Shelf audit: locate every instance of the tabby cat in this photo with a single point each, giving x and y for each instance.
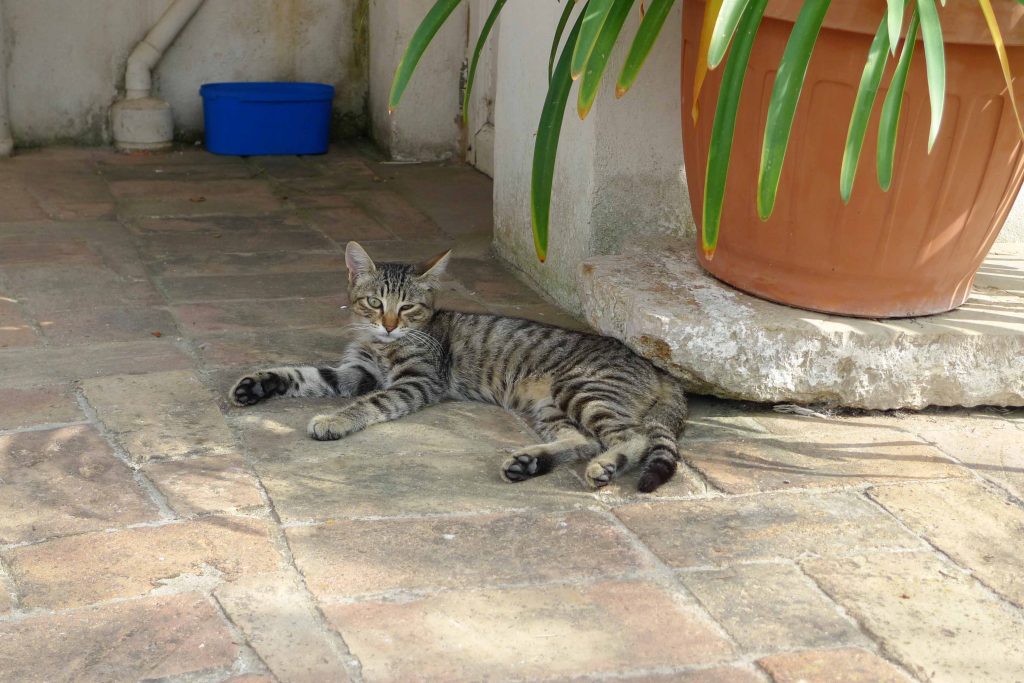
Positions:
(589, 396)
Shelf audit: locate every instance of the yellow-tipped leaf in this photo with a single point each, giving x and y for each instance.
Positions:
(546, 145)
(725, 26)
(1004, 62)
(594, 70)
(562, 21)
(648, 32)
(594, 16)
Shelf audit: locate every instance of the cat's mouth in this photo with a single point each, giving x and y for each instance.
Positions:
(388, 337)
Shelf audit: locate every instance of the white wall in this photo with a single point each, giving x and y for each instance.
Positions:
(426, 125)
(67, 58)
(618, 173)
(480, 121)
(1013, 228)
(6, 142)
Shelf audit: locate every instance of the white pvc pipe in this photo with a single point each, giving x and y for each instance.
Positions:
(6, 141)
(138, 78)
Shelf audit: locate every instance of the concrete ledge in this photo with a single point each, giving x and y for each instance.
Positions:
(657, 299)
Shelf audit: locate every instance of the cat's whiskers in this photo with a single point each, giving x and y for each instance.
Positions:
(431, 343)
(362, 326)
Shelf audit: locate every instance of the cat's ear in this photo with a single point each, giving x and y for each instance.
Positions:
(432, 269)
(358, 262)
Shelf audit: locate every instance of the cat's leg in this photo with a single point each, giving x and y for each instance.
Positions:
(566, 444)
(628, 439)
(630, 445)
(400, 399)
(302, 380)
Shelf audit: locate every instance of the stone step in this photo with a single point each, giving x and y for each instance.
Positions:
(657, 299)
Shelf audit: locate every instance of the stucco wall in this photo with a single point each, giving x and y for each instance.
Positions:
(619, 173)
(480, 120)
(67, 58)
(426, 125)
(1013, 229)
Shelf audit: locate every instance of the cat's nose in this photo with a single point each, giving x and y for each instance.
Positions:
(389, 325)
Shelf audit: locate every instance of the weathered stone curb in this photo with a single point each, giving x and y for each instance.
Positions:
(657, 299)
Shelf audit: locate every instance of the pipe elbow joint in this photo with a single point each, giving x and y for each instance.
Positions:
(138, 79)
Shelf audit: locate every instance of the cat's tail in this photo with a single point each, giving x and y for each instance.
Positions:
(664, 420)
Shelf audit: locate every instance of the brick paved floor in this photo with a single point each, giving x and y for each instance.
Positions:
(150, 531)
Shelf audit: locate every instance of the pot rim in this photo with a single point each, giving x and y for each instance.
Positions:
(962, 22)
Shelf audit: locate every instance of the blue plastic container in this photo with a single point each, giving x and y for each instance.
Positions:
(248, 119)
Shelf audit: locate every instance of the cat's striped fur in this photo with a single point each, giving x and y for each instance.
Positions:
(589, 396)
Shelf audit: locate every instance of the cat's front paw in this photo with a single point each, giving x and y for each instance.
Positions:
(523, 465)
(599, 474)
(330, 427)
(257, 387)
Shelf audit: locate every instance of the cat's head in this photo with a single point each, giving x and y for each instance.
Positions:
(392, 299)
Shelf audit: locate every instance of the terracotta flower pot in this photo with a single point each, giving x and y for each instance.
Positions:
(913, 250)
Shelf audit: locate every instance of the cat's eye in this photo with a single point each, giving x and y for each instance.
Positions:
(406, 307)
(374, 302)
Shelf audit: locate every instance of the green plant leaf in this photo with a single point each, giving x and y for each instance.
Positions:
(594, 70)
(1004, 62)
(648, 32)
(935, 60)
(570, 5)
(789, 83)
(724, 126)
(862, 106)
(890, 118)
(594, 16)
(425, 32)
(485, 31)
(895, 20)
(728, 20)
(546, 146)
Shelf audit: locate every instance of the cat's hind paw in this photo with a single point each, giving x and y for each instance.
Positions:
(329, 427)
(252, 389)
(600, 474)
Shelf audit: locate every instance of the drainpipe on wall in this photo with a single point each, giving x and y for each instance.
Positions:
(6, 141)
(140, 121)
